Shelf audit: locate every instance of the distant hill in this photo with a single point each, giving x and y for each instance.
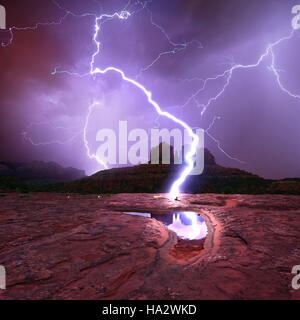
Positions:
(159, 177)
(153, 178)
(29, 174)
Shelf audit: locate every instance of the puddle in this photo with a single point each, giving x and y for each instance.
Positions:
(142, 214)
(186, 224)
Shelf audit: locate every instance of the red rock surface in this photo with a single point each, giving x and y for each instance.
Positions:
(56, 246)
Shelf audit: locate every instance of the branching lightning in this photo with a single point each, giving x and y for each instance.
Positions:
(177, 47)
(48, 24)
(227, 76)
(86, 143)
(228, 73)
(175, 189)
(74, 134)
(219, 143)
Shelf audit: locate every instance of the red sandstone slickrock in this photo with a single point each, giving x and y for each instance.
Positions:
(55, 246)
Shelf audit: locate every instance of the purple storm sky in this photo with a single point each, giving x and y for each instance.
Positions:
(258, 122)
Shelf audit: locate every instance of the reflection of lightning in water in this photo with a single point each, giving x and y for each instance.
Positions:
(195, 230)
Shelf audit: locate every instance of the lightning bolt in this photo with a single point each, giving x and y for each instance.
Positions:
(277, 76)
(47, 143)
(177, 47)
(228, 73)
(26, 136)
(227, 76)
(175, 189)
(218, 141)
(86, 143)
(41, 24)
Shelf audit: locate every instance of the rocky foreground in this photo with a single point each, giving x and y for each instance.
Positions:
(57, 246)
